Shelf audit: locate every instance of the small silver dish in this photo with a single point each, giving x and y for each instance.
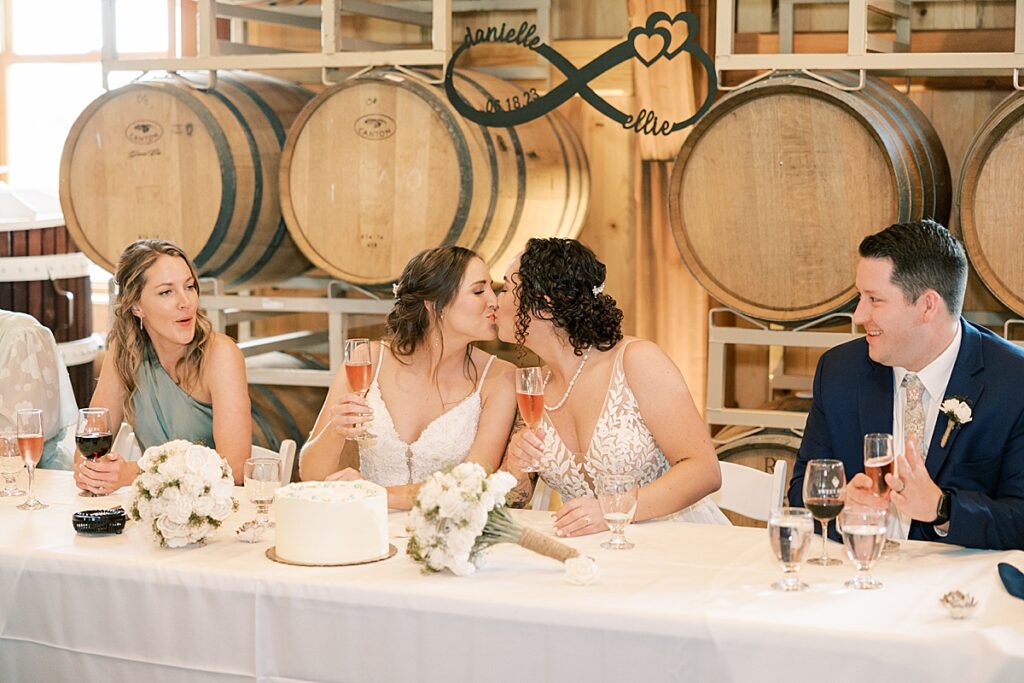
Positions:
(959, 604)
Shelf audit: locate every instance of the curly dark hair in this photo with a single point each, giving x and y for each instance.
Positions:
(432, 275)
(556, 281)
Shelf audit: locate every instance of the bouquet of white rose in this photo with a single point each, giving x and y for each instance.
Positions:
(182, 494)
(460, 514)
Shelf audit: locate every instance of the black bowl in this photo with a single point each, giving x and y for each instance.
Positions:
(108, 521)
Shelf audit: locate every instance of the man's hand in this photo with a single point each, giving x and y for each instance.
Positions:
(913, 491)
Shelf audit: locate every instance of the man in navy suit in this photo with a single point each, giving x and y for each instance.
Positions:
(966, 486)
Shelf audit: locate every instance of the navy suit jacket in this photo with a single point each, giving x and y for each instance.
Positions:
(983, 460)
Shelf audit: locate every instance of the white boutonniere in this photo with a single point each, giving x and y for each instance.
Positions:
(958, 413)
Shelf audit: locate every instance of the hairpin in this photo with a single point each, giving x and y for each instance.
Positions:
(598, 289)
(394, 289)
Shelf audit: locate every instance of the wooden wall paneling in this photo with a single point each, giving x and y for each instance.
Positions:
(588, 19)
(611, 222)
(671, 308)
(957, 115)
(665, 87)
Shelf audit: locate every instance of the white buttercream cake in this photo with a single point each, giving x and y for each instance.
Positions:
(331, 522)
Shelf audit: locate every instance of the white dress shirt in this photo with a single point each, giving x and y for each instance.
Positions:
(935, 377)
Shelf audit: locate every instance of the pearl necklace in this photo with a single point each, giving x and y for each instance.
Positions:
(568, 389)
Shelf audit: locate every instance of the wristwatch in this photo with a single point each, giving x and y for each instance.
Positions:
(943, 509)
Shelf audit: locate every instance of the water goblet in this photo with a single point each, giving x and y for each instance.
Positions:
(617, 494)
(824, 494)
(790, 531)
(30, 443)
(359, 372)
(863, 531)
(10, 464)
(93, 436)
(530, 397)
(262, 478)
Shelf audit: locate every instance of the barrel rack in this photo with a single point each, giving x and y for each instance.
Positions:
(336, 51)
(865, 52)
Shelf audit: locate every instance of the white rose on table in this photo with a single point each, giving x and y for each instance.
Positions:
(175, 535)
(222, 507)
(204, 506)
(177, 507)
(581, 570)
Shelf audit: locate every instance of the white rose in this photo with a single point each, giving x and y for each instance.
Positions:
(581, 570)
(170, 528)
(500, 483)
(222, 488)
(195, 459)
(222, 507)
(178, 508)
(192, 485)
(450, 502)
(462, 567)
(962, 412)
(203, 505)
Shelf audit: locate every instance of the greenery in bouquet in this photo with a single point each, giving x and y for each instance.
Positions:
(461, 513)
(182, 494)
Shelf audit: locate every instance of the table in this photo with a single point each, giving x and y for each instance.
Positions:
(690, 602)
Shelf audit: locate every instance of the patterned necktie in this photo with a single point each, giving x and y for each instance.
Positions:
(913, 411)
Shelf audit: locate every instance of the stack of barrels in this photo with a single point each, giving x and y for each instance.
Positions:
(366, 174)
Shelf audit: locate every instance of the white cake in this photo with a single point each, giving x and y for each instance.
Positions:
(331, 522)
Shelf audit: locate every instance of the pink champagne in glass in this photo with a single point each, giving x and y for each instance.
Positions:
(530, 397)
(30, 443)
(359, 372)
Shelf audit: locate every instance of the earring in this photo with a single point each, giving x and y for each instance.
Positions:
(140, 323)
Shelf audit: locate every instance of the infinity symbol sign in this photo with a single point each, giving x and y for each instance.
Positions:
(663, 37)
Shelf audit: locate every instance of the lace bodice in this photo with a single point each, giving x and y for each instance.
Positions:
(445, 442)
(621, 443)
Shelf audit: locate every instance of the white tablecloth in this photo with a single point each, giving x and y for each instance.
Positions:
(688, 603)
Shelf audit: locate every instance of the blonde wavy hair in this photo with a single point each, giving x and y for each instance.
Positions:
(127, 337)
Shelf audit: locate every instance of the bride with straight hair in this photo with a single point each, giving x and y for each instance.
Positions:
(612, 404)
(435, 400)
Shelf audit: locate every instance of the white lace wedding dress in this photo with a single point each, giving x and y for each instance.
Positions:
(445, 442)
(621, 443)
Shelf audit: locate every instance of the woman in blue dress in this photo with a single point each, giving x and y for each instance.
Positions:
(166, 372)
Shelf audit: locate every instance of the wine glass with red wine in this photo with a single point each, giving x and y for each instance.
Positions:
(93, 436)
(359, 372)
(30, 443)
(530, 397)
(824, 496)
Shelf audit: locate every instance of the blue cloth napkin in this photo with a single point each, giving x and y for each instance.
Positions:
(1013, 579)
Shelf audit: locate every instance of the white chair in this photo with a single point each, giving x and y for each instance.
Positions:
(126, 444)
(286, 453)
(749, 492)
(541, 496)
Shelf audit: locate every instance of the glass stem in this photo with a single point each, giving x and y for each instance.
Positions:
(31, 476)
(262, 516)
(824, 542)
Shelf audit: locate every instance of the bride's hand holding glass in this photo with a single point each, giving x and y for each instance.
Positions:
(351, 416)
(525, 450)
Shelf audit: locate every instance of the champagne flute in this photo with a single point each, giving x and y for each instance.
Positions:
(262, 478)
(359, 371)
(30, 443)
(10, 464)
(530, 397)
(93, 436)
(790, 531)
(863, 531)
(824, 493)
(617, 494)
(880, 460)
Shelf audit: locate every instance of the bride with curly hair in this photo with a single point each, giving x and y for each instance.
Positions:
(613, 404)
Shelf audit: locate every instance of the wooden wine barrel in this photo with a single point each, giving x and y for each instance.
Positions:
(990, 202)
(199, 168)
(776, 186)
(381, 167)
(43, 274)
